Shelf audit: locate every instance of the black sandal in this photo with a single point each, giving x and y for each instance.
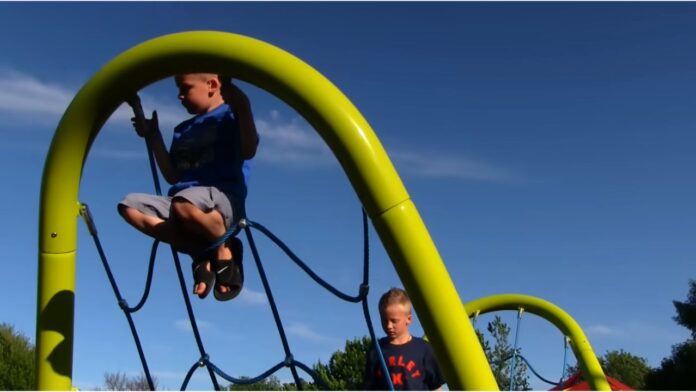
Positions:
(229, 273)
(202, 275)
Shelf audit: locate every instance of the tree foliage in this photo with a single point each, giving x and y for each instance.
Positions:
(346, 369)
(676, 371)
(686, 311)
(17, 369)
(271, 383)
(500, 355)
(623, 366)
(121, 382)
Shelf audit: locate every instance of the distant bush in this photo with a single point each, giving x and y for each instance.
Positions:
(17, 368)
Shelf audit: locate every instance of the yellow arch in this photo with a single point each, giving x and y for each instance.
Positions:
(339, 123)
(578, 342)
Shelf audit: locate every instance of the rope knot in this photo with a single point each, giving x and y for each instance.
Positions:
(289, 360)
(204, 359)
(123, 304)
(364, 289)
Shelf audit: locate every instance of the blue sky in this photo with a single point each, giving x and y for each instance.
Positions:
(548, 147)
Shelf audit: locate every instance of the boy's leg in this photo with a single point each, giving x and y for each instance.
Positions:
(208, 226)
(150, 215)
(201, 215)
(200, 224)
(206, 213)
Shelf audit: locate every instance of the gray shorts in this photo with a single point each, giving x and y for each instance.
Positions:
(206, 198)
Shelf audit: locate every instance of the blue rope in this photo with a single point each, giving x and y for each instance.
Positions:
(274, 308)
(122, 303)
(565, 358)
(233, 231)
(556, 384)
(135, 104)
(514, 349)
(153, 167)
(304, 266)
(364, 288)
(362, 294)
(529, 366)
(192, 319)
(148, 280)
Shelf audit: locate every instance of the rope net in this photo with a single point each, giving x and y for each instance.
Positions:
(246, 225)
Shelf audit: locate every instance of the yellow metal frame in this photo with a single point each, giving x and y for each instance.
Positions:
(339, 123)
(591, 369)
(335, 118)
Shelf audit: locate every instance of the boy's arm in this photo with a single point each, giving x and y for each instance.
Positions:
(149, 129)
(433, 369)
(241, 107)
(368, 382)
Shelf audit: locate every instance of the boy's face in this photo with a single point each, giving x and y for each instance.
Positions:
(395, 321)
(196, 92)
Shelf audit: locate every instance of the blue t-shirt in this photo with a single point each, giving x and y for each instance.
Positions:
(205, 150)
(412, 367)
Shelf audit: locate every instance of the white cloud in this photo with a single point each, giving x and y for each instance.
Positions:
(291, 143)
(251, 297)
(632, 330)
(603, 330)
(185, 325)
(305, 332)
(294, 143)
(439, 165)
(111, 153)
(21, 92)
(286, 142)
(31, 100)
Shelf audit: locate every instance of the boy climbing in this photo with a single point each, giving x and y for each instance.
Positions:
(207, 166)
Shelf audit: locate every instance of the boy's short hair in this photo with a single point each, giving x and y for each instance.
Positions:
(394, 296)
(225, 79)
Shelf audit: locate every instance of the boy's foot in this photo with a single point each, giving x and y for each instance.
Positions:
(203, 277)
(229, 273)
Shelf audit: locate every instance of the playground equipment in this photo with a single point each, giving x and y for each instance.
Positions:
(360, 153)
(589, 364)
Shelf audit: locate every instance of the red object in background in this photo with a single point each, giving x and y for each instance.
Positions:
(574, 383)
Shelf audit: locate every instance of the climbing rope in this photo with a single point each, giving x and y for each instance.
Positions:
(515, 354)
(529, 365)
(566, 341)
(245, 225)
(514, 348)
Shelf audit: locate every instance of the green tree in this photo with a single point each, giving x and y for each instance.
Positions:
(676, 371)
(686, 311)
(623, 366)
(346, 368)
(121, 382)
(500, 356)
(271, 383)
(16, 360)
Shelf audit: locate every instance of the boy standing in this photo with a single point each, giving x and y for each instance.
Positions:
(410, 360)
(207, 167)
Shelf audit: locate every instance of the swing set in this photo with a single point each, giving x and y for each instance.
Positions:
(444, 317)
